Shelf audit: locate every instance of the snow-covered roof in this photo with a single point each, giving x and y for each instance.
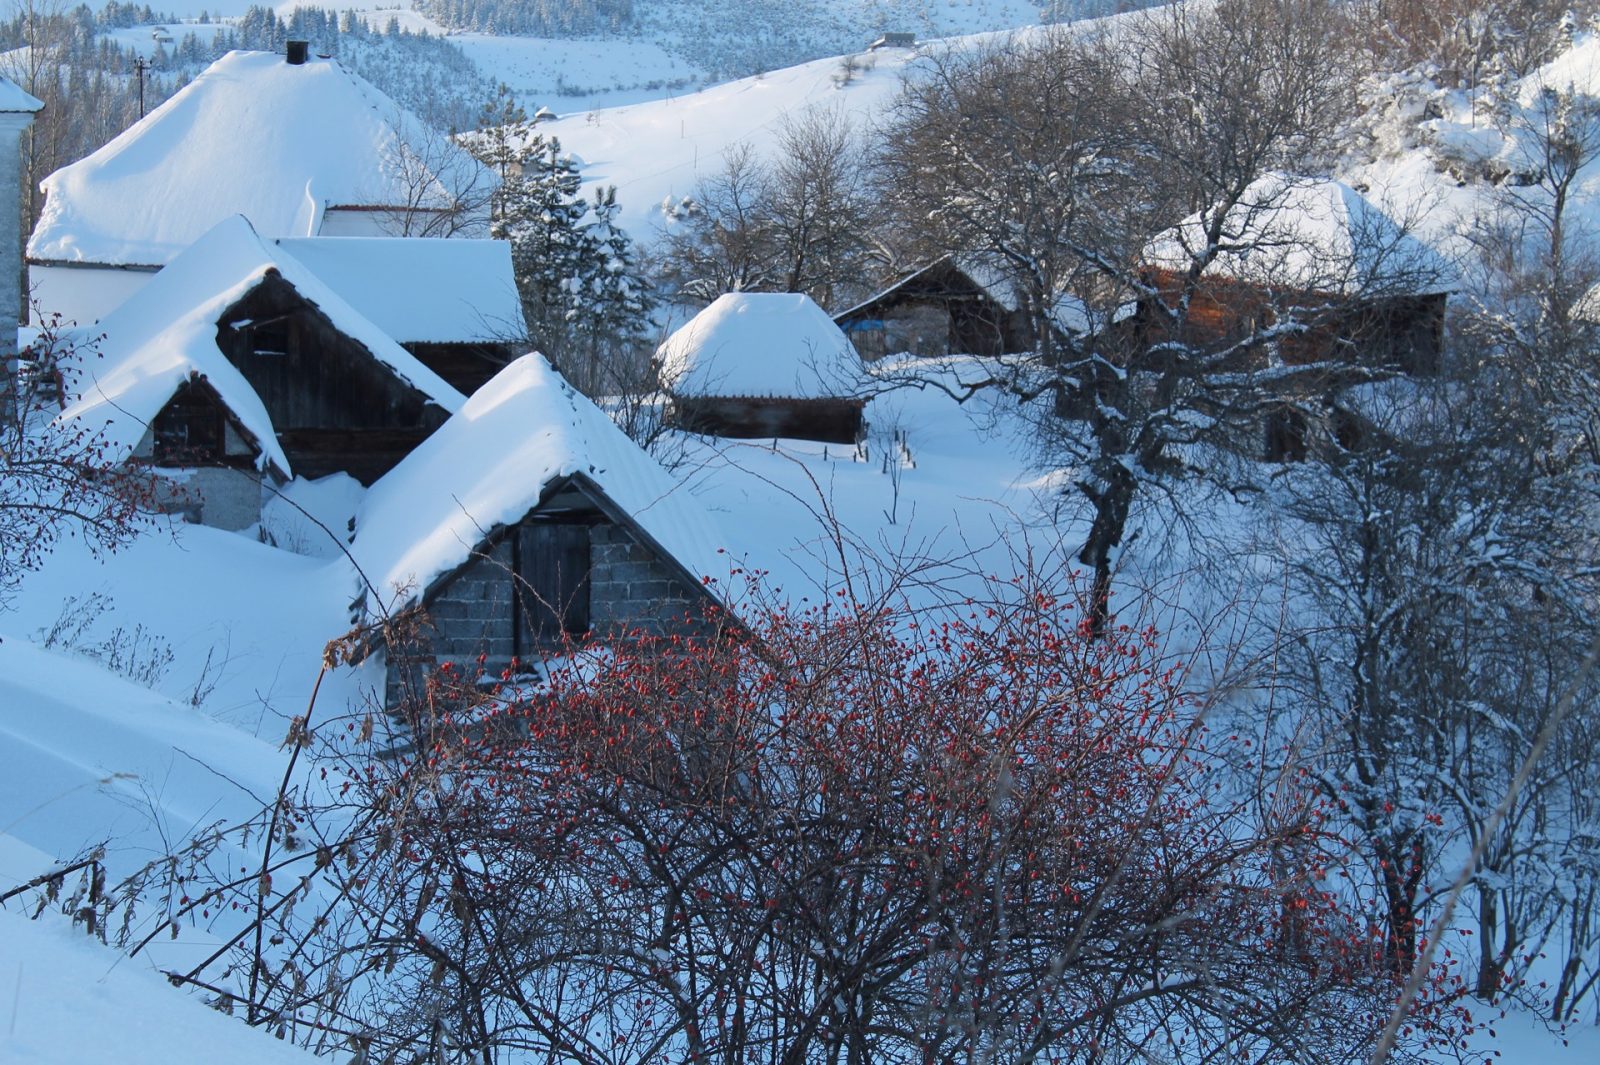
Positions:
(1314, 234)
(420, 289)
(761, 344)
(167, 331)
(491, 464)
(13, 98)
(252, 135)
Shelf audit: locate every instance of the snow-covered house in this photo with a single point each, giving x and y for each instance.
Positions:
(451, 303)
(1313, 248)
(943, 308)
(527, 520)
(763, 364)
(301, 149)
(337, 393)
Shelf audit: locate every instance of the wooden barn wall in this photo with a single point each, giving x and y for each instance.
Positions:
(1405, 332)
(465, 367)
(833, 421)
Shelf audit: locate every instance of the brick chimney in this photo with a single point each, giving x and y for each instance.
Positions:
(295, 52)
(17, 109)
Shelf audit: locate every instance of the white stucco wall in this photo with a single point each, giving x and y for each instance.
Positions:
(82, 295)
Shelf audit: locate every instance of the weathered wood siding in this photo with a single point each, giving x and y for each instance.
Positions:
(1405, 332)
(937, 311)
(333, 404)
(834, 421)
(465, 367)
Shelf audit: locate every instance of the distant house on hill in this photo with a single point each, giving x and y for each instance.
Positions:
(1310, 251)
(1318, 250)
(893, 40)
(941, 309)
(763, 364)
(453, 304)
(528, 521)
(301, 149)
(336, 393)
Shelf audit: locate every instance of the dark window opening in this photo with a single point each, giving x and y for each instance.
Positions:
(270, 337)
(190, 430)
(552, 582)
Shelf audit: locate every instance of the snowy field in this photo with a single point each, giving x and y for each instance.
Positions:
(580, 74)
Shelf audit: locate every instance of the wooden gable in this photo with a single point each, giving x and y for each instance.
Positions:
(938, 310)
(334, 405)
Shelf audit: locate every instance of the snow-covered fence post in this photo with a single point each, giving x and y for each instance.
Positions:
(17, 109)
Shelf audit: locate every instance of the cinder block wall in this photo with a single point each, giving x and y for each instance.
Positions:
(630, 589)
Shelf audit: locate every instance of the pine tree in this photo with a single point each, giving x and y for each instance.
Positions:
(576, 270)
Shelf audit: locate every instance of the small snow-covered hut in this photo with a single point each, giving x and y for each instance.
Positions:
(153, 389)
(528, 520)
(1369, 291)
(764, 364)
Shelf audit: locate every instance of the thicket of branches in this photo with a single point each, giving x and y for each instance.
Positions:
(848, 833)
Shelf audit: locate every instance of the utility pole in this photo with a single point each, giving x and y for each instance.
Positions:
(140, 65)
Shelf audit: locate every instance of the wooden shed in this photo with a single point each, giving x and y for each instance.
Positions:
(940, 309)
(1312, 251)
(337, 393)
(165, 399)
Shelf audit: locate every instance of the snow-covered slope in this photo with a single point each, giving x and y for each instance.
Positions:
(69, 1001)
(661, 150)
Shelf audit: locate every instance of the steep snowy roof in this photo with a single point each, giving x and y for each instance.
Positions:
(14, 98)
(167, 331)
(254, 135)
(1308, 233)
(768, 344)
(420, 289)
(489, 465)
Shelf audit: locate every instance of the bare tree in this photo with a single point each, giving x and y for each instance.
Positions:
(1058, 158)
(823, 836)
(717, 240)
(435, 187)
(802, 221)
(55, 479)
(822, 208)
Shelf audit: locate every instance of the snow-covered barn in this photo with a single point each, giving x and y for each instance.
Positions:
(528, 520)
(301, 149)
(1370, 291)
(319, 386)
(764, 364)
